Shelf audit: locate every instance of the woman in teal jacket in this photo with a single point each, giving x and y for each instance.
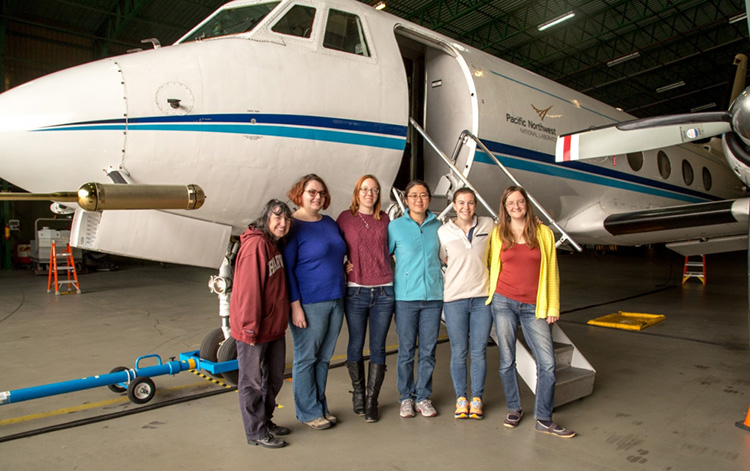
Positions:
(418, 288)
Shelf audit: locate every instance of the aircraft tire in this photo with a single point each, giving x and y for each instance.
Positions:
(141, 390)
(117, 388)
(210, 345)
(227, 352)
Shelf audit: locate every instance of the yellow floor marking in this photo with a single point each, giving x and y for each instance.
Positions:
(93, 405)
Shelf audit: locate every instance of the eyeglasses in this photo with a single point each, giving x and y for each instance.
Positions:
(519, 203)
(413, 196)
(365, 191)
(314, 193)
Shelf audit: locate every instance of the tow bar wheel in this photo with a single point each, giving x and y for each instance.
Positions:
(141, 390)
(118, 387)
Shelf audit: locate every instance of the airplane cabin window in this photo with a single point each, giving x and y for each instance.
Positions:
(297, 22)
(635, 160)
(687, 172)
(232, 21)
(344, 32)
(707, 182)
(665, 167)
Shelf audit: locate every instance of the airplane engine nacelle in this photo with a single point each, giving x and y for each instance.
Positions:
(736, 144)
(737, 154)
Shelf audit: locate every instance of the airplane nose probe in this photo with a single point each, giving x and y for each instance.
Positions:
(101, 196)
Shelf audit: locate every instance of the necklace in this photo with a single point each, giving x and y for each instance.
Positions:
(367, 226)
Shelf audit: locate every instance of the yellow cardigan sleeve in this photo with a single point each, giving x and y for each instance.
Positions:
(548, 294)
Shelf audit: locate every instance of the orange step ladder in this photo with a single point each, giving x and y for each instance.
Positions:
(694, 268)
(69, 267)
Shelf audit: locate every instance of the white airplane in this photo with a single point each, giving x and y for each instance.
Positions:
(261, 93)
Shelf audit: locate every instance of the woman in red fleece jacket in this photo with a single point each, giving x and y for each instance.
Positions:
(258, 316)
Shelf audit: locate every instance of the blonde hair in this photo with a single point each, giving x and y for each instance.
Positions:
(529, 230)
(355, 197)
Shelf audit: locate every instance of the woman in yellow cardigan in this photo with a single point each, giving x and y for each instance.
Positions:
(525, 289)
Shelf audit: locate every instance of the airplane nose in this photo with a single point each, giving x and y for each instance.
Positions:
(51, 128)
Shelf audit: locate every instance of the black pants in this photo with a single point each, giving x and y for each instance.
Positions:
(261, 374)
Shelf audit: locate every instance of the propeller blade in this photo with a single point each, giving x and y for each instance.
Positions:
(641, 134)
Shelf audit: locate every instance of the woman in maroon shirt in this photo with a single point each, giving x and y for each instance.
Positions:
(258, 316)
(369, 292)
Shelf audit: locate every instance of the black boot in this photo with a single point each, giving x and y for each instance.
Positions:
(357, 374)
(374, 381)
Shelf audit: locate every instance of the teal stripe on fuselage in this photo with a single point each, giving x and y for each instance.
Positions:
(570, 174)
(359, 139)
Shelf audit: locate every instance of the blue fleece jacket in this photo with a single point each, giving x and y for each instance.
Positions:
(417, 276)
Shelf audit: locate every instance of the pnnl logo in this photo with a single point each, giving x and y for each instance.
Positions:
(541, 113)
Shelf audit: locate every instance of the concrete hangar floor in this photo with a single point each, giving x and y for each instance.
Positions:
(665, 398)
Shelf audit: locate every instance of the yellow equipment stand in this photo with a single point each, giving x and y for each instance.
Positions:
(69, 267)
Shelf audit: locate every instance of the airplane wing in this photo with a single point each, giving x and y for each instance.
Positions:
(701, 228)
(641, 134)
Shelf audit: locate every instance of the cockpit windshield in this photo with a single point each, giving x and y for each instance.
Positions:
(231, 21)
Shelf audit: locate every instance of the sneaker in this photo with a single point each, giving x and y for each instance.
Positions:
(332, 419)
(269, 441)
(513, 419)
(554, 429)
(462, 408)
(426, 408)
(318, 424)
(476, 408)
(277, 430)
(407, 408)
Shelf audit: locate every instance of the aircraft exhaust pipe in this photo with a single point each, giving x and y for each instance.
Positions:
(101, 196)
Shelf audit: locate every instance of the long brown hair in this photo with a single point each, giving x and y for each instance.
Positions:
(529, 230)
(295, 192)
(355, 197)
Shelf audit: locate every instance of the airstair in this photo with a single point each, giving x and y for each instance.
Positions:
(574, 374)
(68, 267)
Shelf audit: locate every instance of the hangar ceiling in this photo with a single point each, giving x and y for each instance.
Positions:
(687, 43)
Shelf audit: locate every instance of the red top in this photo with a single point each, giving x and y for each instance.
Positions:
(519, 273)
(259, 310)
(367, 247)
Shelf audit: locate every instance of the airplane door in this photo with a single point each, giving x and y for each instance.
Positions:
(442, 100)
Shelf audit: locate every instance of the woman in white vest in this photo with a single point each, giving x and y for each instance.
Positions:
(464, 243)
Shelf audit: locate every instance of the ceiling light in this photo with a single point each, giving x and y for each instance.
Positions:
(622, 59)
(737, 18)
(555, 21)
(380, 6)
(671, 86)
(702, 107)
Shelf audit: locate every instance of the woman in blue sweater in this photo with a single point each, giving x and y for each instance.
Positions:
(314, 258)
(418, 288)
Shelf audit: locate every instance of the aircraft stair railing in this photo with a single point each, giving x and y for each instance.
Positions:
(564, 237)
(574, 374)
(454, 169)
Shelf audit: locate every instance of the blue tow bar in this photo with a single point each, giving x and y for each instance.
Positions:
(135, 381)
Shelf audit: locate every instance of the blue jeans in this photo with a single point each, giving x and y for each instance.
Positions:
(416, 319)
(377, 305)
(313, 349)
(469, 322)
(508, 313)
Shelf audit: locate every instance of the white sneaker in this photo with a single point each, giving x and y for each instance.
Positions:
(407, 408)
(426, 408)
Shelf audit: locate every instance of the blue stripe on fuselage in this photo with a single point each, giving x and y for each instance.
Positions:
(386, 136)
(345, 131)
(541, 163)
(341, 124)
